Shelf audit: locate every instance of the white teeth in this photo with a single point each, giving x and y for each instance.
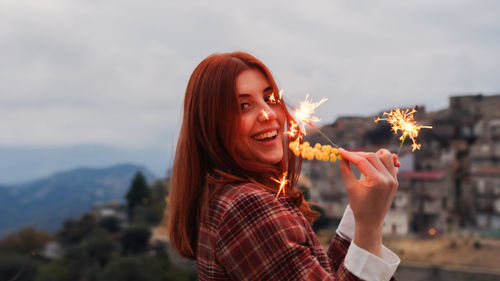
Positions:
(266, 135)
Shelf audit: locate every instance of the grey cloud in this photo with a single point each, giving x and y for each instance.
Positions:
(98, 70)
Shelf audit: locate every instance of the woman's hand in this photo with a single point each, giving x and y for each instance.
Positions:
(370, 197)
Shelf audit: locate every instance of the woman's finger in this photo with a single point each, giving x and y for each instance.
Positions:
(396, 160)
(375, 160)
(361, 162)
(387, 159)
(347, 174)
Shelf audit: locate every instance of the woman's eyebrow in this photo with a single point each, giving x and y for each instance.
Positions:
(243, 95)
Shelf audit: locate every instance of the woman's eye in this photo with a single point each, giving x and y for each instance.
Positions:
(244, 105)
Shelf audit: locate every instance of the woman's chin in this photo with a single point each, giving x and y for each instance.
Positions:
(271, 158)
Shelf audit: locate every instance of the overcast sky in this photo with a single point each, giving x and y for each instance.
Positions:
(114, 71)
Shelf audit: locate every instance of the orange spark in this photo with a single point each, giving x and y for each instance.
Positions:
(283, 181)
(273, 99)
(303, 114)
(265, 114)
(404, 121)
(294, 129)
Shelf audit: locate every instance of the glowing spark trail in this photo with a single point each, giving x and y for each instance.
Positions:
(294, 129)
(265, 114)
(404, 121)
(273, 99)
(283, 182)
(303, 114)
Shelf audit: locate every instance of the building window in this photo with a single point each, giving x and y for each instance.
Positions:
(496, 189)
(485, 148)
(480, 186)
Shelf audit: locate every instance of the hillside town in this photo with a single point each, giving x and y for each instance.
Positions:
(452, 183)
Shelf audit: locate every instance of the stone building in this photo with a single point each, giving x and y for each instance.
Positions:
(485, 172)
(453, 181)
(430, 200)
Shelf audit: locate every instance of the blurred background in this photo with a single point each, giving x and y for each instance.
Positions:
(90, 107)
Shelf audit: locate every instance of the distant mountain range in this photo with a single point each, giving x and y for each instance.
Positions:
(24, 164)
(47, 202)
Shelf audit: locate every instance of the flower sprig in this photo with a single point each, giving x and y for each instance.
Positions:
(319, 152)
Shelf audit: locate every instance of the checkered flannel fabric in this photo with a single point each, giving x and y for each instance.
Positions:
(246, 235)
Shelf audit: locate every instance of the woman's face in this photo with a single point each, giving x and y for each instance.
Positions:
(261, 124)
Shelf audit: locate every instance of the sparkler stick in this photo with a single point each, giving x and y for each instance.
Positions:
(326, 137)
(404, 121)
(401, 145)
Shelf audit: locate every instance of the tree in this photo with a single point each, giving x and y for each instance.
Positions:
(135, 239)
(99, 247)
(89, 255)
(52, 271)
(25, 242)
(158, 191)
(74, 231)
(17, 267)
(138, 193)
(110, 224)
(142, 268)
(133, 268)
(147, 215)
(152, 213)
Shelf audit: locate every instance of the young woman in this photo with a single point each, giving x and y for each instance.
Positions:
(223, 211)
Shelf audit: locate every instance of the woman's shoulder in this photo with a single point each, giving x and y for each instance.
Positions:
(233, 194)
(248, 208)
(237, 199)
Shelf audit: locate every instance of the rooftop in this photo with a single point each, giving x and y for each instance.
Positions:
(422, 175)
(490, 170)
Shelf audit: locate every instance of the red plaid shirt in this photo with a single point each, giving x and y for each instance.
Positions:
(247, 236)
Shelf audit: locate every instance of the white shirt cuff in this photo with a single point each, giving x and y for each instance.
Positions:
(346, 226)
(370, 267)
(362, 263)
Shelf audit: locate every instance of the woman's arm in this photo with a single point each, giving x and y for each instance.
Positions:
(358, 261)
(371, 197)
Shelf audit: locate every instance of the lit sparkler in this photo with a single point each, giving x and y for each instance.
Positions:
(283, 182)
(404, 121)
(303, 114)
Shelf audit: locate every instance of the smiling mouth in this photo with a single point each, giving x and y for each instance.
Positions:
(268, 136)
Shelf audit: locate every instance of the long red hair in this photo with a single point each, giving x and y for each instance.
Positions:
(206, 157)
